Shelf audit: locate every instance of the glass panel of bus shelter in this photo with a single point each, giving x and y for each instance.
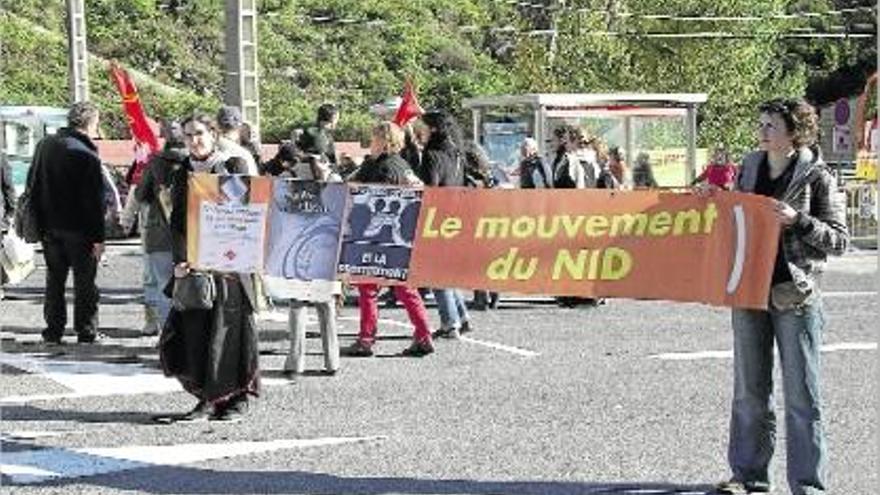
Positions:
(19, 144)
(502, 135)
(661, 142)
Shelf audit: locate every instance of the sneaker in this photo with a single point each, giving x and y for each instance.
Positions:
(51, 338)
(357, 349)
(151, 329)
(231, 412)
(466, 327)
(447, 333)
(199, 413)
(89, 337)
(494, 300)
(419, 349)
(734, 487)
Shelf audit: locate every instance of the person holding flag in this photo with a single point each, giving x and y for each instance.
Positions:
(146, 145)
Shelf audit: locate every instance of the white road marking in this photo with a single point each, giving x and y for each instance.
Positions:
(695, 356)
(384, 321)
(31, 435)
(36, 466)
(485, 343)
(867, 293)
(501, 347)
(91, 379)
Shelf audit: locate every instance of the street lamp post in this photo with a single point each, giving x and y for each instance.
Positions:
(77, 52)
(242, 88)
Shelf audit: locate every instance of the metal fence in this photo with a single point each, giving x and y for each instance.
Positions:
(861, 212)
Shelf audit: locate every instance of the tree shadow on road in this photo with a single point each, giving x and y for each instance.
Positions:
(26, 412)
(178, 480)
(193, 481)
(109, 295)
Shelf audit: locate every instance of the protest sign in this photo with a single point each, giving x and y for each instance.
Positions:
(305, 227)
(597, 243)
(379, 232)
(226, 222)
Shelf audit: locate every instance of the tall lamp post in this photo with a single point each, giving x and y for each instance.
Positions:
(242, 88)
(77, 51)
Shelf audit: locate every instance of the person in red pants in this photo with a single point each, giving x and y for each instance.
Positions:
(368, 301)
(385, 166)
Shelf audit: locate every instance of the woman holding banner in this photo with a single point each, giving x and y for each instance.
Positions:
(385, 166)
(443, 165)
(813, 226)
(213, 352)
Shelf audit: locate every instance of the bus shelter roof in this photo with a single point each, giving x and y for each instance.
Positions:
(586, 101)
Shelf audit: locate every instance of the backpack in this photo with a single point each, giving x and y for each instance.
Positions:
(27, 218)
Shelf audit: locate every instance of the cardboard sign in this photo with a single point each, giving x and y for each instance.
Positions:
(226, 222)
(305, 229)
(379, 234)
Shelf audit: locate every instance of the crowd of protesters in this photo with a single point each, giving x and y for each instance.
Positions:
(212, 350)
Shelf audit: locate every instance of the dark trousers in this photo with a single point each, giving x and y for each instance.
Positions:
(63, 251)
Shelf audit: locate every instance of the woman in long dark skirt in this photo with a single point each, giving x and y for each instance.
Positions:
(212, 352)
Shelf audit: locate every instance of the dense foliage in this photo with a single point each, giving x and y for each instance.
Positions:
(358, 52)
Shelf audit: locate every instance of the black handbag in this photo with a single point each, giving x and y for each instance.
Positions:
(27, 220)
(196, 290)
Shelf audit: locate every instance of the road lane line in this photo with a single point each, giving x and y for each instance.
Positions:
(501, 347)
(92, 379)
(384, 321)
(866, 293)
(39, 465)
(485, 343)
(698, 355)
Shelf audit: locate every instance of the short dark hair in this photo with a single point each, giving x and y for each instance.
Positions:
(229, 117)
(326, 112)
(443, 126)
(81, 114)
(573, 133)
(172, 132)
(201, 117)
(799, 117)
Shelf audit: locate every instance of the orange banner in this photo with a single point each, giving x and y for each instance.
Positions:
(644, 245)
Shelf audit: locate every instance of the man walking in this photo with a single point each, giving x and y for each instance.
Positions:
(68, 193)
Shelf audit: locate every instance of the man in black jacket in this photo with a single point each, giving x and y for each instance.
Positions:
(69, 195)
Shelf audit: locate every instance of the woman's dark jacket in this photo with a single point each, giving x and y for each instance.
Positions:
(442, 164)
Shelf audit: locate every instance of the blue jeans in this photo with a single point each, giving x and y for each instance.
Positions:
(798, 335)
(450, 305)
(159, 268)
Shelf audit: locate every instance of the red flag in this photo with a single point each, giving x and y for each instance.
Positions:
(409, 108)
(145, 140)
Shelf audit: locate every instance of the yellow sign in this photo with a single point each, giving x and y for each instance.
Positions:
(866, 165)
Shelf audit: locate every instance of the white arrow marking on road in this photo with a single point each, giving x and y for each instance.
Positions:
(36, 466)
(92, 379)
(694, 356)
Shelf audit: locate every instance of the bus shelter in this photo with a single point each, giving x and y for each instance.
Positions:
(21, 127)
(662, 126)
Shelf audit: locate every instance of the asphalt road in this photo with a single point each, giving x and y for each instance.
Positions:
(631, 398)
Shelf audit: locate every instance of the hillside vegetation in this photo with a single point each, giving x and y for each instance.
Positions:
(358, 52)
